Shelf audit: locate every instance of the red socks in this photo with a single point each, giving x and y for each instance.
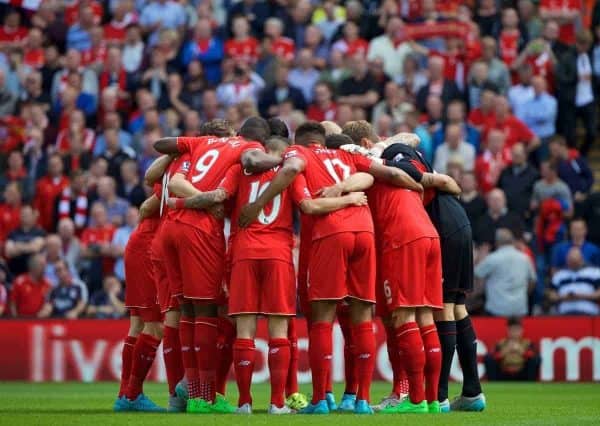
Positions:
(205, 348)
(172, 357)
(291, 385)
(412, 356)
(188, 356)
(319, 353)
(279, 362)
(144, 353)
(243, 363)
(224, 353)
(350, 373)
(400, 382)
(126, 360)
(364, 348)
(433, 361)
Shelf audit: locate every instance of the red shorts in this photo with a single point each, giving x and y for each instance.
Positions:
(411, 276)
(262, 286)
(342, 265)
(140, 291)
(303, 258)
(151, 314)
(195, 261)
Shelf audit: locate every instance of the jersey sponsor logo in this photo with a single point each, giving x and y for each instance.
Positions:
(244, 363)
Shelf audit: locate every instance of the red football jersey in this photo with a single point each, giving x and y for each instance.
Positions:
(509, 46)
(179, 165)
(325, 167)
(270, 236)
(11, 36)
(29, 295)
(284, 48)
(211, 157)
(514, 129)
(245, 50)
(567, 30)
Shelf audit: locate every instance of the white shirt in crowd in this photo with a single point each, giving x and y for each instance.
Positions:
(584, 94)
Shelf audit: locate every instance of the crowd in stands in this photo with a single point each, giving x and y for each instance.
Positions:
(503, 94)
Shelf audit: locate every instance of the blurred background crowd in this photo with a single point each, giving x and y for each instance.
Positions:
(503, 94)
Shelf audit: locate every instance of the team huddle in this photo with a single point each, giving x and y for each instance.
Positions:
(380, 234)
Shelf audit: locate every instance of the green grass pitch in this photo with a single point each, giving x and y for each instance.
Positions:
(90, 404)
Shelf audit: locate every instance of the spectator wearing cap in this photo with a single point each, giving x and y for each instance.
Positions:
(514, 357)
(497, 216)
(304, 75)
(454, 148)
(572, 169)
(578, 239)
(507, 277)
(576, 286)
(108, 302)
(517, 181)
(438, 85)
(206, 48)
(281, 91)
(30, 290)
(388, 48)
(576, 93)
(67, 299)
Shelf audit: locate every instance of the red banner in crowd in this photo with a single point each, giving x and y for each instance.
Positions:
(425, 30)
(89, 350)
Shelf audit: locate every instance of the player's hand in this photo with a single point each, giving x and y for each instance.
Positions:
(330, 191)
(217, 210)
(358, 198)
(355, 149)
(249, 214)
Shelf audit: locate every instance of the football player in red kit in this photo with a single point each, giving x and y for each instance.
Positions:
(342, 263)
(200, 245)
(262, 276)
(145, 331)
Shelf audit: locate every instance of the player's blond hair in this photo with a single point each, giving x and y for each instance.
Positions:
(217, 127)
(359, 130)
(405, 138)
(331, 128)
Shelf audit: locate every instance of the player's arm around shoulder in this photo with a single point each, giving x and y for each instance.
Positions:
(442, 182)
(394, 176)
(257, 161)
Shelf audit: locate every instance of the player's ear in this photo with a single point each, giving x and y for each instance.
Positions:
(366, 143)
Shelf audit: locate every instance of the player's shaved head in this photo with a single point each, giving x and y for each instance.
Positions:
(361, 133)
(277, 144)
(310, 132)
(278, 127)
(255, 129)
(217, 127)
(335, 141)
(331, 128)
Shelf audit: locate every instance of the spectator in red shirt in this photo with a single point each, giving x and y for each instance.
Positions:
(242, 46)
(515, 131)
(34, 50)
(511, 40)
(12, 34)
(10, 211)
(30, 290)
(566, 12)
(95, 56)
(95, 245)
(481, 117)
(122, 17)
(351, 43)
(323, 108)
(114, 75)
(77, 130)
(47, 189)
(73, 8)
(491, 161)
(282, 47)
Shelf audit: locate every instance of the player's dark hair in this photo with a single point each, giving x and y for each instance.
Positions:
(217, 127)
(514, 321)
(359, 130)
(336, 140)
(278, 127)
(277, 143)
(311, 131)
(255, 129)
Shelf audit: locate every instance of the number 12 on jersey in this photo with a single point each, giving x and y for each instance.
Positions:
(256, 189)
